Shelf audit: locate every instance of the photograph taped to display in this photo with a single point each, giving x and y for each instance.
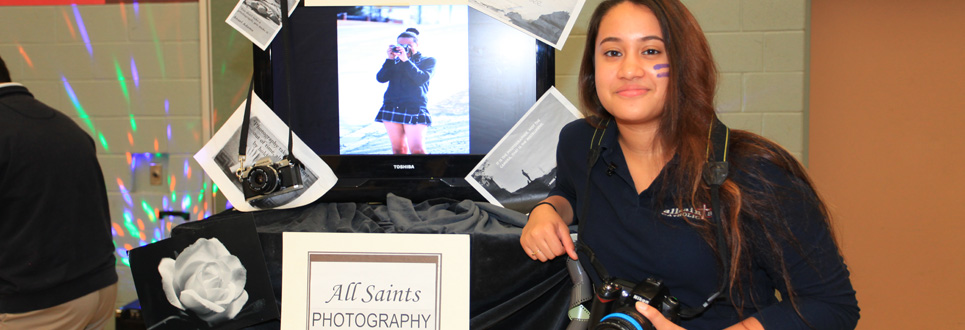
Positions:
(521, 168)
(259, 20)
(416, 103)
(213, 278)
(549, 21)
(266, 145)
(261, 143)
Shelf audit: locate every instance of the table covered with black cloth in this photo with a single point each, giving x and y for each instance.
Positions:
(507, 289)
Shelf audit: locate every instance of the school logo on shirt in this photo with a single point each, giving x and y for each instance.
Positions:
(688, 212)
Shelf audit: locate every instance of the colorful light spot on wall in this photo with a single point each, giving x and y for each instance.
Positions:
(83, 30)
(130, 225)
(76, 103)
(100, 136)
(122, 82)
(134, 75)
(125, 193)
(151, 214)
(103, 140)
(70, 25)
(26, 57)
(157, 45)
(186, 202)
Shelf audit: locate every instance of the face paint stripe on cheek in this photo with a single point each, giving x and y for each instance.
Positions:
(659, 67)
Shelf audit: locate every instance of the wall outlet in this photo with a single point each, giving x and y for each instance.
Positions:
(157, 173)
(148, 172)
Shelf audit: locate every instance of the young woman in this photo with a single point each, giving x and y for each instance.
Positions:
(404, 111)
(647, 84)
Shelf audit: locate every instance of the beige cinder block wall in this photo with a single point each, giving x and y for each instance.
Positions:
(760, 49)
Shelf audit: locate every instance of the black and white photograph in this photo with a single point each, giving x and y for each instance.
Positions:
(268, 9)
(215, 278)
(549, 21)
(268, 180)
(258, 20)
(521, 169)
(263, 146)
(413, 63)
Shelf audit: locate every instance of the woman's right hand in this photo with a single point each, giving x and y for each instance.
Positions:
(390, 52)
(546, 235)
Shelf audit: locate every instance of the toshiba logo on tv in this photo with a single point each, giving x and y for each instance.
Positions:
(404, 167)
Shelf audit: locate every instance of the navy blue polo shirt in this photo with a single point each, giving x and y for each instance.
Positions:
(636, 236)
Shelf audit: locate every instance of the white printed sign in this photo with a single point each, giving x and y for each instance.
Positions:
(375, 281)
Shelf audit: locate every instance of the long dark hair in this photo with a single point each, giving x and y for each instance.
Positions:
(753, 225)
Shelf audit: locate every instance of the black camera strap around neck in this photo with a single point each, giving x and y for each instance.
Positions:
(286, 43)
(714, 174)
(591, 159)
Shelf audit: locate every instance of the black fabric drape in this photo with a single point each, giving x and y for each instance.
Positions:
(507, 289)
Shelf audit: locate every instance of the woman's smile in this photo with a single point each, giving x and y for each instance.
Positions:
(633, 91)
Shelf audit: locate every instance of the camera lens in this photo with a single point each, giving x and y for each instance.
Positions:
(624, 320)
(262, 179)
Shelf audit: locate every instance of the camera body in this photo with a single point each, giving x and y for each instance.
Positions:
(614, 307)
(265, 178)
(399, 49)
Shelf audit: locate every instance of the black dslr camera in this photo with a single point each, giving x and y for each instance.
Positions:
(264, 178)
(614, 308)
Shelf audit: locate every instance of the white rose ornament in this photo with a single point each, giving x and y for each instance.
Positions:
(205, 279)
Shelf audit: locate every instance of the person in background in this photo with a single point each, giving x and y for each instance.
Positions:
(56, 251)
(647, 84)
(404, 111)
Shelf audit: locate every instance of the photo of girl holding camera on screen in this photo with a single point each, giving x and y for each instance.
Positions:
(404, 109)
(631, 176)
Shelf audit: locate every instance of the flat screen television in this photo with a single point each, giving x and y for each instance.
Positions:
(487, 75)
